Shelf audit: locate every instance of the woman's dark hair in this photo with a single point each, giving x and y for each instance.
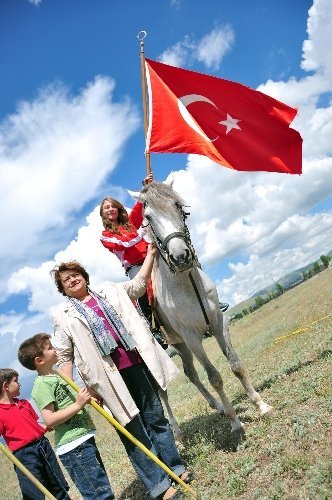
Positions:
(123, 219)
(68, 266)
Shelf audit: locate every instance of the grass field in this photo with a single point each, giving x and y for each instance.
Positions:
(286, 456)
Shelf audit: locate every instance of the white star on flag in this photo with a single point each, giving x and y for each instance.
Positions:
(230, 123)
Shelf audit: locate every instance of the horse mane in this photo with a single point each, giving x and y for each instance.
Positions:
(161, 197)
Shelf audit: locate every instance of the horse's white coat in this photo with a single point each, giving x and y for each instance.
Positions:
(177, 306)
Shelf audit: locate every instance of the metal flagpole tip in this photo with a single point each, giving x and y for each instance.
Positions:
(141, 35)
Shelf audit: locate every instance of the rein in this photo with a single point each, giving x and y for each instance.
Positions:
(199, 299)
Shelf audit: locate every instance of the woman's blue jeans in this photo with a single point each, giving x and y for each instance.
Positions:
(152, 429)
(85, 467)
(39, 458)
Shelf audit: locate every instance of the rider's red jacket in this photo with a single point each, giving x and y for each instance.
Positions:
(128, 246)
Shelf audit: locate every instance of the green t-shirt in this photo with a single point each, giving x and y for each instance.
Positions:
(53, 389)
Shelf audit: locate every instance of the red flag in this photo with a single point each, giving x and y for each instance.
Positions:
(230, 123)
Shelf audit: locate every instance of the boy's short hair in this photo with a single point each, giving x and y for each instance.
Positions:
(31, 348)
(6, 375)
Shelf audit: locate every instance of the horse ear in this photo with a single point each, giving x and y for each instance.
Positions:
(170, 180)
(134, 194)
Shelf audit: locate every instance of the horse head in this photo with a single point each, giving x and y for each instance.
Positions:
(164, 218)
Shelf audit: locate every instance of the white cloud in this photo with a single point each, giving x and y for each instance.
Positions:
(178, 54)
(35, 2)
(38, 284)
(210, 50)
(214, 46)
(307, 238)
(251, 213)
(85, 248)
(176, 4)
(11, 322)
(264, 220)
(316, 49)
(22, 324)
(264, 223)
(255, 221)
(55, 153)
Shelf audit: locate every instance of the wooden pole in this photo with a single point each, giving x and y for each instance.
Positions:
(25, 471)
(141, 36)
(131, 438)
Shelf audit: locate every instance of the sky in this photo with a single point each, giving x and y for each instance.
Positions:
(71, 133)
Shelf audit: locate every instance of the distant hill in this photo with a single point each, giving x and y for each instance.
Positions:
(287, 281)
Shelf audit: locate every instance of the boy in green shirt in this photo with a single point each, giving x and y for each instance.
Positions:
(65, 410)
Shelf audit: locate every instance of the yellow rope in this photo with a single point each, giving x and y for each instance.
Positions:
(300, 330)
(124, 431)
(25, 471)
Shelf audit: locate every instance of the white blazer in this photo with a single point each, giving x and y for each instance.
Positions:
(74, 343)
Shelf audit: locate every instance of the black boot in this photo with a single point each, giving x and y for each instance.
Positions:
(223, 306)
(159, 338)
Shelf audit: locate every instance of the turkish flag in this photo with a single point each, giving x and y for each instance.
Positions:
(230, 123)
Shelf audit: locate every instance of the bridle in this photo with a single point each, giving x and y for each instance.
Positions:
(163, 245)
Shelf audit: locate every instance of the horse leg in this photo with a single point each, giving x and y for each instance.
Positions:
(221, 334)
(190, 372)
(178, 434)
(194, 342)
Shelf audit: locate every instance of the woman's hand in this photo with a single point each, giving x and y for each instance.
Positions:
(95, 396)
(148, 179)
(145, 271)
(152, 250)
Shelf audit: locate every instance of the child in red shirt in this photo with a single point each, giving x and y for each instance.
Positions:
(24, 436)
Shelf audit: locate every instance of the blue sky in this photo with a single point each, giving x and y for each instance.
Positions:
(71, 133)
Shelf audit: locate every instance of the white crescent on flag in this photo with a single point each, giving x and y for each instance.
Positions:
(185, 101)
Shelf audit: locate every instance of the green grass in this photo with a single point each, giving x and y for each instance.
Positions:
(286, 456)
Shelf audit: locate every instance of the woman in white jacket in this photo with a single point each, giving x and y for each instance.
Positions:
(120, 362)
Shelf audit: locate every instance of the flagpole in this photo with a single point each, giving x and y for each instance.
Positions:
(131, 438)
(25, 471)
(141, 36)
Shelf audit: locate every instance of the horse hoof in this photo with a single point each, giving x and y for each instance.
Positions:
(238, 429)
(239, 434)
(219, 408)
(178, 438)
(267, 411)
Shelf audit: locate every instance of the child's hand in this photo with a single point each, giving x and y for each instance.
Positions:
(83, 397)
(46, 427)
(148, 179)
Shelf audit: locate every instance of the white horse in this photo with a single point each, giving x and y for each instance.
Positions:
(186, 301)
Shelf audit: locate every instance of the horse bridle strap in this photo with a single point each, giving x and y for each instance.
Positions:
(199, 299)
(163, 245)
(177, 234)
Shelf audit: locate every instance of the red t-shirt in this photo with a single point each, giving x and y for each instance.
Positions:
(122, 358)
(19, 424)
